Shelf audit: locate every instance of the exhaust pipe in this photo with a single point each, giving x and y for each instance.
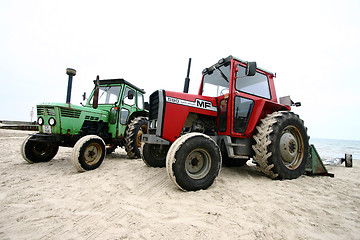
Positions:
(187, 79)
(71, 72)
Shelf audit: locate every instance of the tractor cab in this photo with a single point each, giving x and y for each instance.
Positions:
(241, 90)
(119, 98)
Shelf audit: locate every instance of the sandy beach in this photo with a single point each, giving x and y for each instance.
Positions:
(125, 199)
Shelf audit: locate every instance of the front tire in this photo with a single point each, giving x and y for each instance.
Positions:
(136, 128)
(154, 155)
(88, 153)
(35, 152)
(193, 162)
(282, 145)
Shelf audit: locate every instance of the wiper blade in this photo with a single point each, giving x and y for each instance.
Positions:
(105, 90)
(223, 75)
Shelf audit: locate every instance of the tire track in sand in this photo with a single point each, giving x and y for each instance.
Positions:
(149, 188)
(109, 216)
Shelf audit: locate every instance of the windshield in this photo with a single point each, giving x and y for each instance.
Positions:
(216, 83)
(108, 94)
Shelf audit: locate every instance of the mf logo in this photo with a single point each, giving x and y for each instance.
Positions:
(203, 103)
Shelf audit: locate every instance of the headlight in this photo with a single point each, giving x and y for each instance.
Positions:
(52, 121)
(40, 121)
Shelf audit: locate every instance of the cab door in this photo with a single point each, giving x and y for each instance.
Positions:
(241, 113)
(127, 106)
(248, 90)
(223, 113)
(114, 113)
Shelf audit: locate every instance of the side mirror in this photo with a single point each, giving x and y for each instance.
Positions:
(131, 94)
(250, 69)
(84, 96)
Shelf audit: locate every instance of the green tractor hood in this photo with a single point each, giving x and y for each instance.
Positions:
(65, 118)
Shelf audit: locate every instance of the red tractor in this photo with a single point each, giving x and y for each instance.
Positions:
(234, 117)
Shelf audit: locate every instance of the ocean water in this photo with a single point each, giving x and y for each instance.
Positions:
(331, 150)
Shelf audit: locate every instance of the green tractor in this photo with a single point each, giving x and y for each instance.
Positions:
(114, 115)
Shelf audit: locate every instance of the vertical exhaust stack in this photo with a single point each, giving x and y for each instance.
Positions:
(71, 72)
(96, 93)
(187, 79)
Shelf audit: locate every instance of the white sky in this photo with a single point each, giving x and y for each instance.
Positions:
(313, 46)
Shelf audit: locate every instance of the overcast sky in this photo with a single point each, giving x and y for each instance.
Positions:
(313, 46)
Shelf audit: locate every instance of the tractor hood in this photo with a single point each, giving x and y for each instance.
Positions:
(64, 118)
(178, 107)
(75, 108)
(192, 103)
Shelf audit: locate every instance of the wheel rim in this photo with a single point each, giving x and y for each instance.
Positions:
(291, 147)
(92, 154)
(198, 164)
(142, 130)
(42, 149)
(158, 151)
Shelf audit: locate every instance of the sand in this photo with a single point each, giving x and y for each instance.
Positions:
(125, 199)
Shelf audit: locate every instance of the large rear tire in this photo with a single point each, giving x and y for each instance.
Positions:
(35, 152)
(154, 155)
(136, 128)
(282, 145)
(193, 162)
(88, 153)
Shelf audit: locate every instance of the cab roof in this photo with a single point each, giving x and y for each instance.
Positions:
(224, 61)
(119, 81)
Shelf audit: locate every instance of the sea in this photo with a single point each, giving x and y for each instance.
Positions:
(332, 150)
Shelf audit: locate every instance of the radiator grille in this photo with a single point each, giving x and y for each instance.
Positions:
(71, 113)
(41, 110)
(154, 105)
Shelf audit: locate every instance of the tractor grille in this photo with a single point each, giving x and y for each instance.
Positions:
(154, 105)
(91, 118)
(71, 113)
(41, 110)
(156, 112)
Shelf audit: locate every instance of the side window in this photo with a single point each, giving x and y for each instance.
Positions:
(127, 100)
(242, 112)
(140, 101)
(257, 85)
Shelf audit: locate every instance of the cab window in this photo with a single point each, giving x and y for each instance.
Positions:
(127, 100)
(257, 85)
(216, 83)
(242, 112)
(108, 94)
(140, 101)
